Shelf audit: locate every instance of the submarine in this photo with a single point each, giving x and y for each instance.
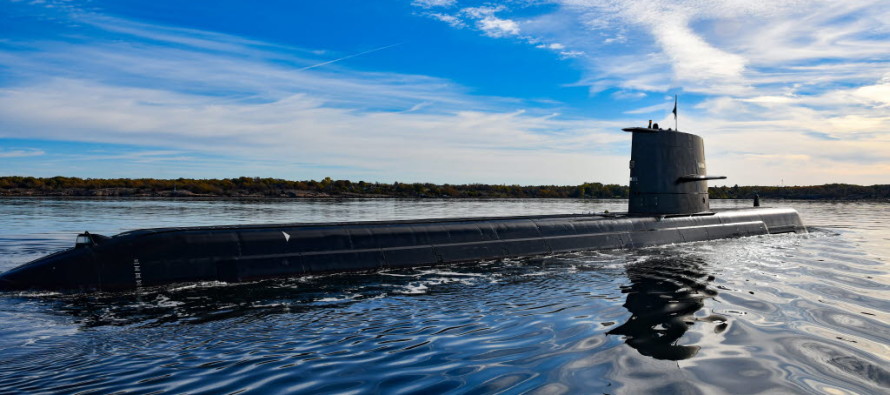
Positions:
(668, 204)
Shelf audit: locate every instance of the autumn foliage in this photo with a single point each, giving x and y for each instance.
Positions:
(274, 187)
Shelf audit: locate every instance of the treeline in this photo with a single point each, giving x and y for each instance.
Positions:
(273, 187)
(827, 191)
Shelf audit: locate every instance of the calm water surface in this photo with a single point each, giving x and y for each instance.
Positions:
(773, 314)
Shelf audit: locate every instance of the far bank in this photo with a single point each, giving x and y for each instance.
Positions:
(253, 187)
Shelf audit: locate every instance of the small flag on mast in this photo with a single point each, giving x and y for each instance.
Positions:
(675, 107)
(676, 127)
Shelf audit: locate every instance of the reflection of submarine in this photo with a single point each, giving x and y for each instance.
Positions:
(662, 298)
(668, 204)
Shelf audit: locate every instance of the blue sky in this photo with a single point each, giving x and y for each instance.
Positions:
(524, 91)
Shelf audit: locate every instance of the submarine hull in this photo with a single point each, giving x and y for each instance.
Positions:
(152, 257)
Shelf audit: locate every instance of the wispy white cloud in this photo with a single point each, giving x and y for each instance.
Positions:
(20, 153)
(496, 27)
(570, 54)
(489, 23)
(417, 146)
(877, 94)
(485, 19)
(625, 95)
(452, 20)
(733, 47)
(560, 49)
(274, 113)
(433, 3)
(651, 109)
(227, 76)
(771, 74)
(553, 46)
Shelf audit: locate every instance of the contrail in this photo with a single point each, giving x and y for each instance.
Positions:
(350, 56)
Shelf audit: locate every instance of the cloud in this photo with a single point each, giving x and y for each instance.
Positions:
(452, 20)
(483, 18)
(651, 109)
(272, 110)
(465, 146)
(726, 47)
(496, 27)
(433, 3)
(490, 24)
(559, 48)
(228, 76)
(570, 54)
(260, 113)
(878, 94)
(626, 95)
(805, 74)
(20, 153)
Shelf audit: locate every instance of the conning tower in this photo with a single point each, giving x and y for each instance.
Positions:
(667, 173)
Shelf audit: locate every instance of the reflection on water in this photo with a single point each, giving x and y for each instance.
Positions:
(663, 297)
(794, 313)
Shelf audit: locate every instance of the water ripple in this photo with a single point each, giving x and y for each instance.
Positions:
(787, 313)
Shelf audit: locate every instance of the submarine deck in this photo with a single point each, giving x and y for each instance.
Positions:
(586, 216)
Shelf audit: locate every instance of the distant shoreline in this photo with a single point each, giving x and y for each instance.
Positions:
(367, 197)
(265, 188)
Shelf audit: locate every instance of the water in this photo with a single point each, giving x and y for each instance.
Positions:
(784, 313)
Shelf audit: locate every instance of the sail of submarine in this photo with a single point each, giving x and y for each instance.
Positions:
(668, 204)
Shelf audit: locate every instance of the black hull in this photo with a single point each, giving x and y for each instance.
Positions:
(153, 257)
